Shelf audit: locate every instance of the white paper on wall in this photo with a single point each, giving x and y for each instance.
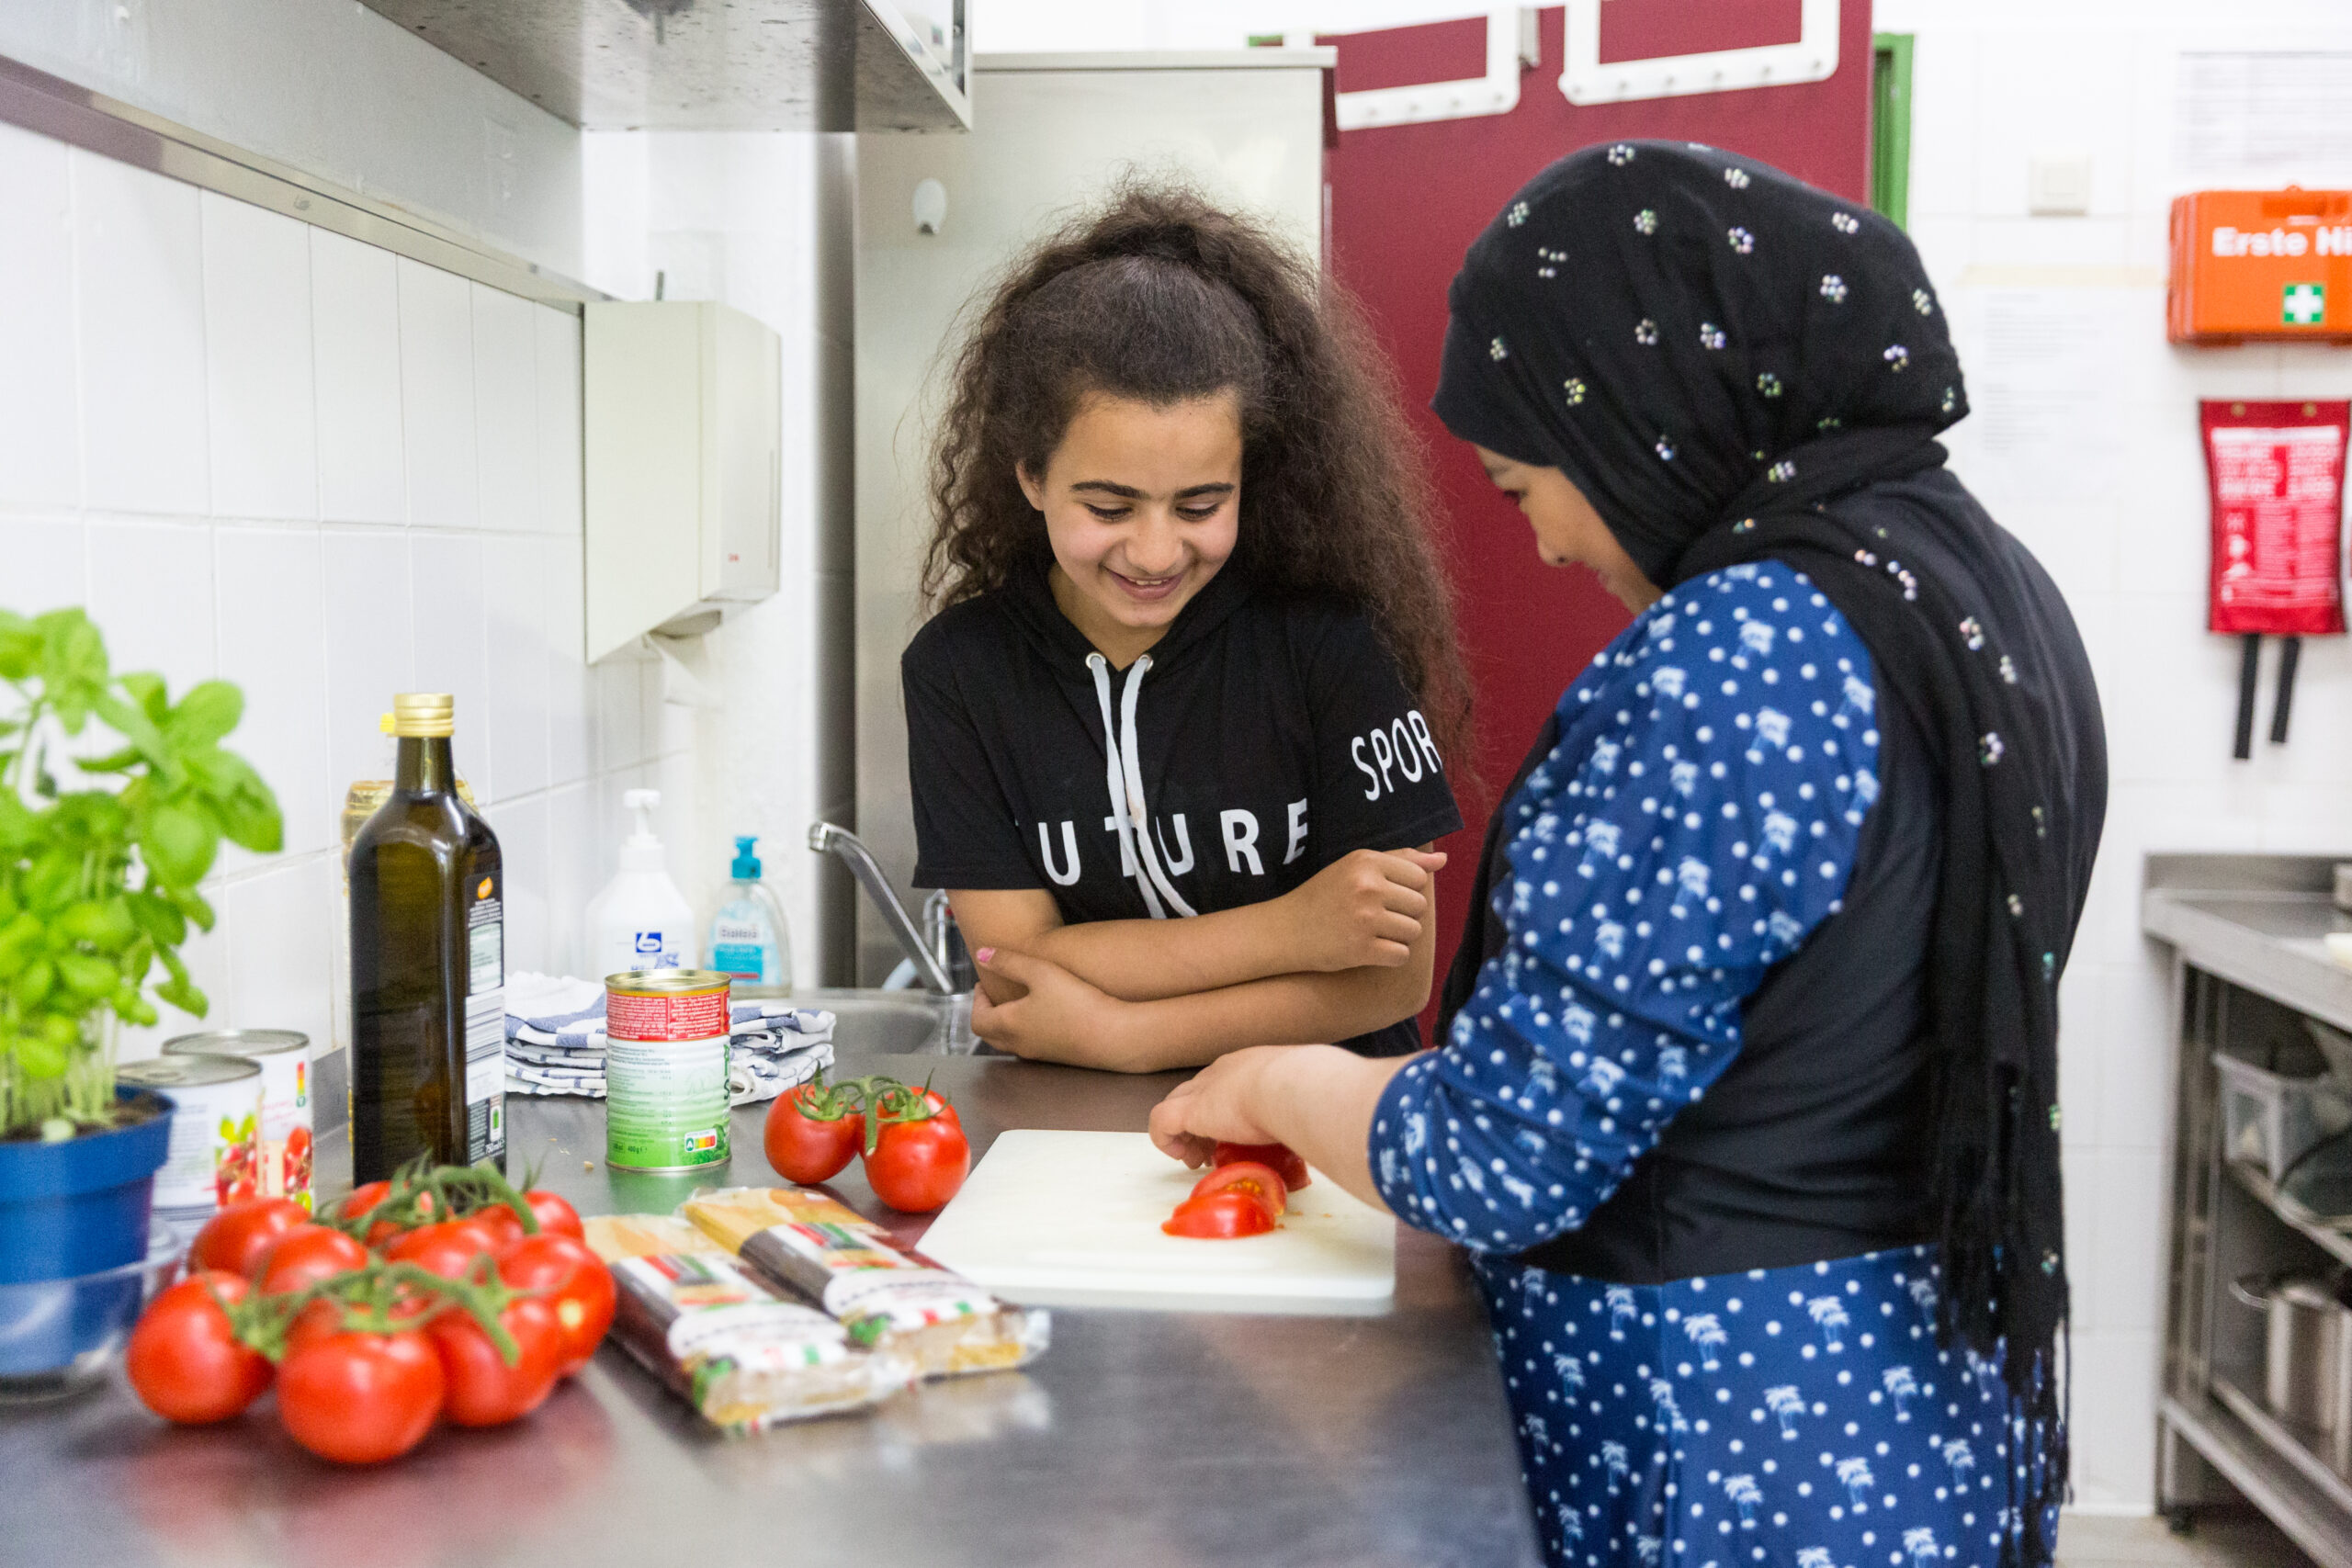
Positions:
(2252, 113)
(2045, 407)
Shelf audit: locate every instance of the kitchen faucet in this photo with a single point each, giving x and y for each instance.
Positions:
(826, 838)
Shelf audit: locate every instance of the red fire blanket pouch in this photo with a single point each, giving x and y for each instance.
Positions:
(2276, 471)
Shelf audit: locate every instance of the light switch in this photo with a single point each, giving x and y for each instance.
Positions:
(2058, 184)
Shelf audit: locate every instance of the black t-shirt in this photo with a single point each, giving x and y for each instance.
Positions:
(1271, 737)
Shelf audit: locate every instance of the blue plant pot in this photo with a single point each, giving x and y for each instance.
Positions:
(68, 1210)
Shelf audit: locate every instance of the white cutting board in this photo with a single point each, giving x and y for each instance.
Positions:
(1072, 1219)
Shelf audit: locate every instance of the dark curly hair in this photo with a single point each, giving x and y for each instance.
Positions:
(1160, 296)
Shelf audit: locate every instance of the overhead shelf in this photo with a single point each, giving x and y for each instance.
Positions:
(700, 66)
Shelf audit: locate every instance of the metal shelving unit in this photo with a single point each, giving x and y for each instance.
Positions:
(2247, 967)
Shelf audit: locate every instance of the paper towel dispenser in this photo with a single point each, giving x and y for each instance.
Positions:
(682, 438)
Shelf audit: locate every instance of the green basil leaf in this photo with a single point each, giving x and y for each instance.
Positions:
(147, 689)
(208, 711)
(32, 983)
(87, 977)
(158, 919)
(41, 1059)
(179, 841)
(252, 822)
(134, 726)
(185, 997)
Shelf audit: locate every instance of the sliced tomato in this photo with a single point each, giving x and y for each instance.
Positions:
(1247, 1176)
(1220, 1216)
(1287, 1165)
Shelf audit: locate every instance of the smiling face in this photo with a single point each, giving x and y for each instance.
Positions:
(1568, 532)
(1143, 505)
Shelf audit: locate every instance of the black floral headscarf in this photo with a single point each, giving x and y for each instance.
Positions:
(1731, 364)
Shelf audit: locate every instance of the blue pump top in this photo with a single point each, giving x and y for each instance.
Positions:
(747, 864)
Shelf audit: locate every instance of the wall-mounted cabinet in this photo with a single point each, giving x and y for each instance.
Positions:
(680, 428)
(746, 65)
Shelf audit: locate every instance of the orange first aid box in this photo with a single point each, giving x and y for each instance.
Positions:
(2261, 265)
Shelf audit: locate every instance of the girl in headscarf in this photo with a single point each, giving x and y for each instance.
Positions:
(1747, 1113)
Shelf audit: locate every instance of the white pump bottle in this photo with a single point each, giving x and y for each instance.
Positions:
(641, 921)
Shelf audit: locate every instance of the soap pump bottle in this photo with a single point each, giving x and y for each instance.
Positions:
(641, 921)
(749, 942)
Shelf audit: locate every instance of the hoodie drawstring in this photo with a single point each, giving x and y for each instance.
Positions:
(1124, 778)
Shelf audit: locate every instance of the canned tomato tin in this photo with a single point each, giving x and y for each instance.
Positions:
(216, 1121)
(665, 1070)
(282, 1159)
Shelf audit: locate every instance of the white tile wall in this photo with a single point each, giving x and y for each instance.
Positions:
(276, 456)
(2124, 530)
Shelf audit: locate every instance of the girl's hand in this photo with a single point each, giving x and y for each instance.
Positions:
(1055, 1016)
(1365, 909)
(1221, 1103)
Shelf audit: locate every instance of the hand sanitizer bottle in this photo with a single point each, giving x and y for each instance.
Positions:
(748, 940)
(641, 921)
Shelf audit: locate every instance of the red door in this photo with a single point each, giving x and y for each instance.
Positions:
(1406, 202)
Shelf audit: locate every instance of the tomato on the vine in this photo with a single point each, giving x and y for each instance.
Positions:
(501, 1222)
(574, 1279)
(185, 1360)
(916, 1167)
(554, 1211)
(1285, 1161)
(359, 1397)
(805, 1147)
(234, 1238)
(303, 1257)
(1219, 1217)
(1247, 1176)
(482, 1390)
(447, 1247)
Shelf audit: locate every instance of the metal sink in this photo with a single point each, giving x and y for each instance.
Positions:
(897, 1023)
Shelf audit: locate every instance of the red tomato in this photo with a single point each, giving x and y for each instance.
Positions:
(503, 1223)
(364, 1198)
(360, 1398)
(447, 1248)
(575, 1281)
(1287, 1165)
(304, 1256)
(803, 1149)
(183, 1360)
(555, 1212)
(234, 1239)
(1220, 1216)
(916, 1167)
(483, 1390)
(1247, 1176)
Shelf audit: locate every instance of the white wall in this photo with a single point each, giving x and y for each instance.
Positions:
(2084, 442)
(332, 88)
(270, 454)
(1024, 27)
(762, 223)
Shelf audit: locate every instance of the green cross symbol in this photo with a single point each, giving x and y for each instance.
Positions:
(2306, 304)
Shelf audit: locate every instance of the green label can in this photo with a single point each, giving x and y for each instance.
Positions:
(665, 1070)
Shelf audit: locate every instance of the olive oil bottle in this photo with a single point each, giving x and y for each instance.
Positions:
(428, 963)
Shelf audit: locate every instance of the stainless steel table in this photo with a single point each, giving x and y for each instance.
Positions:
(1138, 1438)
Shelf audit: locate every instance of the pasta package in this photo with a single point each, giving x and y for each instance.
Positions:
(894, 1301)
(743, 1356)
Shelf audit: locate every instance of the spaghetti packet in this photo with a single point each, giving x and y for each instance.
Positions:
(895, 1301)
(745, 1359)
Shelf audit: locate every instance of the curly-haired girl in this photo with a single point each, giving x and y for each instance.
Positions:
(1183, 716)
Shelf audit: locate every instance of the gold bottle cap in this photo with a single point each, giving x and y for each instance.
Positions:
(424, 714)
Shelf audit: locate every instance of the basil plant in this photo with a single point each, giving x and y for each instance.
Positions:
(102, 841)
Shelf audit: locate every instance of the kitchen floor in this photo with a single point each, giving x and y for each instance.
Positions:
(2230, 1540)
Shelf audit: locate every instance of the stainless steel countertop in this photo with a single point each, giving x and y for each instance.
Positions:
(1139, 1438)
(2256, 920)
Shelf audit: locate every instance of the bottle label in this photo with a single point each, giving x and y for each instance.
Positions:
(486, 1024)
(649, 951)
(737, 960)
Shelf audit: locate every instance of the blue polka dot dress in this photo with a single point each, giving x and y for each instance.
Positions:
(1697, 820)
